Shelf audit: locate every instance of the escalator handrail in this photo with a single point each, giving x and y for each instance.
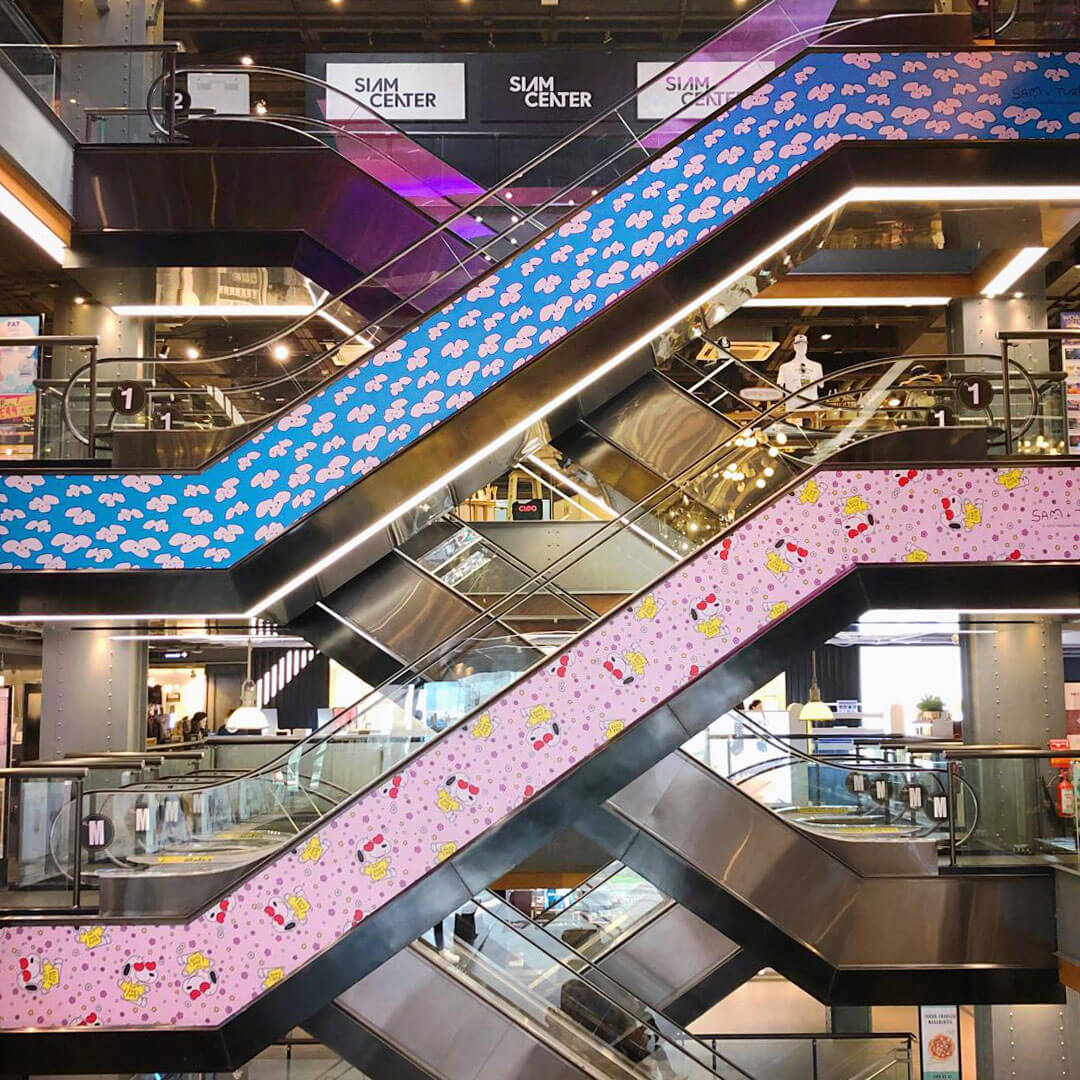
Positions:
(803, 755)
(499, 903)
(829, 28)
(326, 732)
(569, 558)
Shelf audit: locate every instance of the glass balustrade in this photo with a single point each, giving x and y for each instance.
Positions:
(450, 682)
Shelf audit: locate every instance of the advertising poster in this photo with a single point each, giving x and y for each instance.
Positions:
(18, 401)
(671, 95)
(939, 1041)
(1070, 358)
(397, 91)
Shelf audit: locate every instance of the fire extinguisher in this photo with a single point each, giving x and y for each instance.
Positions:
(1064, 797)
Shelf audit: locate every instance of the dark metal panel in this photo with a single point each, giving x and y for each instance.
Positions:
(1067, 889)
(348, 1037)
(669, 956)
(733, 862)
(436, 1023)
(661, 426)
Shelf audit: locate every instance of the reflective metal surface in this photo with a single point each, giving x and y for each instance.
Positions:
(736, 863)
(435, 1022)
(669, 957)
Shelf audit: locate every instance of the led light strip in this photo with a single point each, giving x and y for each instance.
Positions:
(213, 311)
(858, 193)
(31, 226)
(845, 301)
(1015, 268)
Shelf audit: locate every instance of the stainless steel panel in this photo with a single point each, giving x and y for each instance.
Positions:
(620, 565)
(1067, 892)
(668, 956)
(884, 856)
(824, 905)
(403, 609)
(447, 1030)
(661, 426)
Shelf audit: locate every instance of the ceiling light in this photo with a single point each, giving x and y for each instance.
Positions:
(1018, 296)
(260, 107)
(192, 353)
(247, 61)
(28, 223)
(281, 352)
(213, 311)
(826, 337)
(79, 301)
(846, 301)
(1015, 268)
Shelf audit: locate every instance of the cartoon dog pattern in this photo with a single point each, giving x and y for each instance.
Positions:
(216, 517)
(592, 710)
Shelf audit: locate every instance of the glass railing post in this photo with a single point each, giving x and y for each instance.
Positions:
(76, 861)
(953, 767)
(1006, 398)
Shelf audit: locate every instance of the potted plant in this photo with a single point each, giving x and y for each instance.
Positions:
(932, 711)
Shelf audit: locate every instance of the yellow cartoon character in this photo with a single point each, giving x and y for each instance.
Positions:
(375, 858)
(447, 803)
(38, 975)
(809, 494)
(271, 976)
(93, 936)
(972, 515)
(482, 727)
(917, 555)
(857, 517)
(614, 728)
(709, 627)
(636, 661)
(1011, 479)
(649, 607)
(136, 978)
(312, 851)
(444, 850)
(775, 610)
(299, 905)
(537, 715)
(776, 565)
(194, 962)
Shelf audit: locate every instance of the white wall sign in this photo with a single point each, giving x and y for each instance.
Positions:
(939, 1042)
(228, 93)
(668, 95)
(397, 91)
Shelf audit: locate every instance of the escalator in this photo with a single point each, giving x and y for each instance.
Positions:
(408, 443)
(731, 861)
(379, 868)
(501, 999)
(663, 953)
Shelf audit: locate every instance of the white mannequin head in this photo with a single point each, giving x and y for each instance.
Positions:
(800, 346)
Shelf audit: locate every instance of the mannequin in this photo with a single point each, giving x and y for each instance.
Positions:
(798, 372)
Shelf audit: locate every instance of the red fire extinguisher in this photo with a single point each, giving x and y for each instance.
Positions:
(1064, 797)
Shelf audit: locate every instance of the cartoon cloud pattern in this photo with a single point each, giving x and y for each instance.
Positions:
(529, 737)
(214, 518)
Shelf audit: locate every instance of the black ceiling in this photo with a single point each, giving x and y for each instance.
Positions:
(282, 29)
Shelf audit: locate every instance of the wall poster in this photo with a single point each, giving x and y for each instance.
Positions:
(18, 398)
(939, 1041)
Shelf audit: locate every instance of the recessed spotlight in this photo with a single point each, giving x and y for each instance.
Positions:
(260, 107)
(826, 337)
(281, 352)
(80, 300)
(1018, 296)
(192, 353)
(247, 61)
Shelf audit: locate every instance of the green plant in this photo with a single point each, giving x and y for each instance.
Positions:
(931, 703)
